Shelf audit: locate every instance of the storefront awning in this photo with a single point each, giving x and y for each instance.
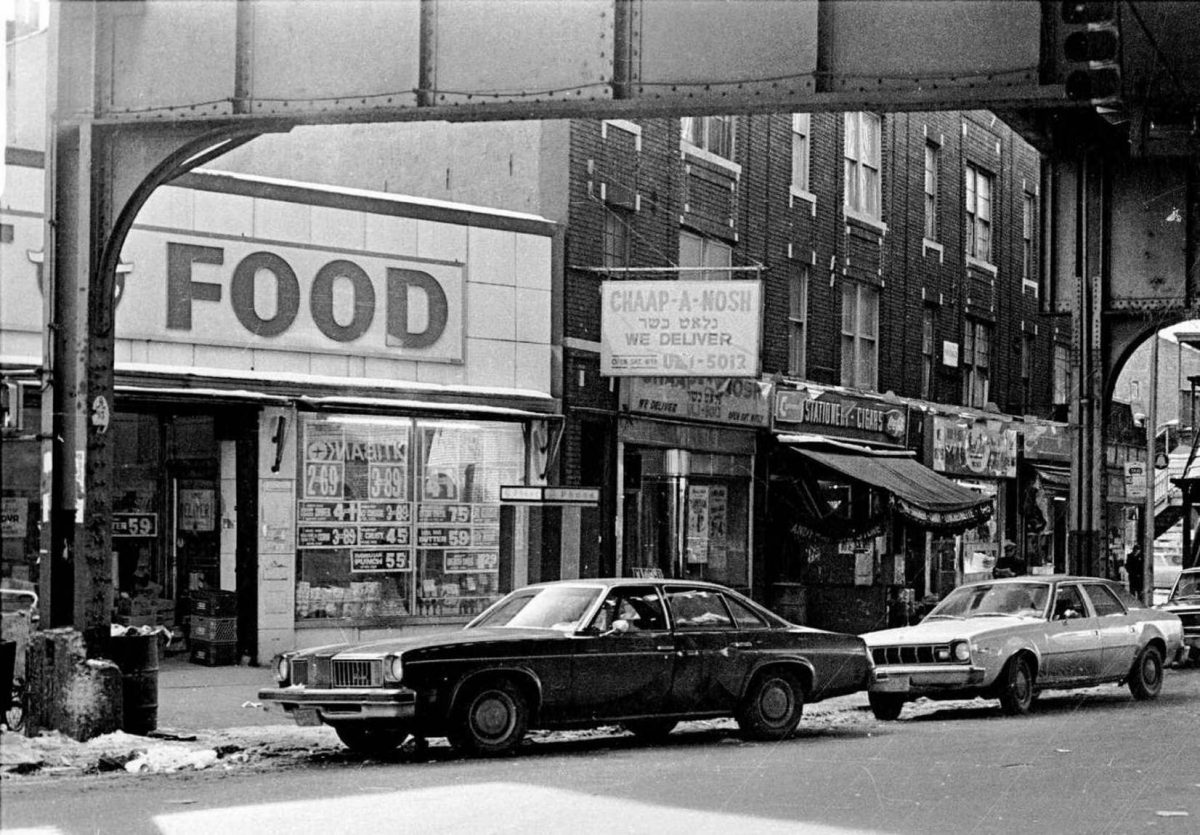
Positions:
(918, 493)
(1053, 477)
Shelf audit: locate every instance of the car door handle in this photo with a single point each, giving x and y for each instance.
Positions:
(741, 645)
(667, 648)
(688, 653)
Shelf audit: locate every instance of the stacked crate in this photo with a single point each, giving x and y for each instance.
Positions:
(213, 628)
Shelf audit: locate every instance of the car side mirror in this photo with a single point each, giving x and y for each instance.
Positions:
(619, 627)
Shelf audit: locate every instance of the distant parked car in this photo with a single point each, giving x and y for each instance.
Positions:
(642, 653)
(1010, 639)
(1168, 562)
(1184, 601)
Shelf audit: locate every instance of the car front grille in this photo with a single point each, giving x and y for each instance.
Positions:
(912, 654)
(300, 671)
(1191, 621)
(357, 673)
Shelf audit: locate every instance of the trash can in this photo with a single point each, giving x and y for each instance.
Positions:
(8, 663)
(137, 657)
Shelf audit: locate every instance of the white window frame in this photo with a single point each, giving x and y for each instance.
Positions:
(861, 157)
(928, 351)
(976, 363)
(615, 220)
(798, 324)
(709, 252)
(715, 135)
(801, 153)
(933, 164)
(860, 335)
(1028, 245)
(979, 189)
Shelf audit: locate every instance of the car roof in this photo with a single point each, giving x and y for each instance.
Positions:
(598, 582)
(1042, 578)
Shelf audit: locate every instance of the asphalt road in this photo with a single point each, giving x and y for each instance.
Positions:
(1096, 762)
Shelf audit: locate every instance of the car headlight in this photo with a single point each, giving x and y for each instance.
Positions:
(393, 668)
(282, 669)
(962, 651)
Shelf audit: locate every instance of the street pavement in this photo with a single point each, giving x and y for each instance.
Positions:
(195, 697)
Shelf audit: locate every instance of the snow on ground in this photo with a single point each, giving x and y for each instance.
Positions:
(54, 754)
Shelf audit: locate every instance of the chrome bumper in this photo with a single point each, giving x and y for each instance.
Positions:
(348, 704)
(915, 678)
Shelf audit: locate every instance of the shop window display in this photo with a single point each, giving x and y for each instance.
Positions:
(399, 517)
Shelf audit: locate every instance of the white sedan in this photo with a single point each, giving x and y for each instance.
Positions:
(1009, 639)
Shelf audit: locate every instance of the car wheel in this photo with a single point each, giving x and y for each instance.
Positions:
(772, 707)
(650, 730)
(1016, 689)
(886, 706)
(490, 719)
(1146, 677)
(370, 738)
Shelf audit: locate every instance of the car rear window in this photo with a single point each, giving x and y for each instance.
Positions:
(744, 616)
(694, 609)
(1104, 601)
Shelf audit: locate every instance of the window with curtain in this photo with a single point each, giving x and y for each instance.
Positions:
(976, 359)
(798, 323)
(699, 251)
(714, 134)
(860, 335)
(979, 213)
(861, 157)
(801, 132)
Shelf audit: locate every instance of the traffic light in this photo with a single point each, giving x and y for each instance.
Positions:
(1089, 49)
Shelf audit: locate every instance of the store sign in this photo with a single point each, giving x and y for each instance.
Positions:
(546, 494)
(718, 399)
(1135, 479)
(974, 447)
(255, 294)
(680, 328)
(129, 525)
(14, 517)
(1047, 441)
(841, 415)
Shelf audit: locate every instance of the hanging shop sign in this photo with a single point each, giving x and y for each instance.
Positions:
(973, 447)
(680, 328)
(840, 415)
(1047, 441)
(729, 400)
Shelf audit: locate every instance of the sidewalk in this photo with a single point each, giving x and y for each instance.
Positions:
(194, 697)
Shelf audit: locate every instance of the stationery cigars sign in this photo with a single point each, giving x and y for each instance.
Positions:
(680, 328)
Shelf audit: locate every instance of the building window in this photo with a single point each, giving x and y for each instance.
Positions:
(616, 238)
(698, 251)
(928, 355)
(976, 357)
(714, 134)
(933, 162)
(798, 323)
(1027, 347)
(1028, 222)
(1135, 391)
(1062, 374)
(801, 140)
(862, 163)
(860, 335)
(979, 213)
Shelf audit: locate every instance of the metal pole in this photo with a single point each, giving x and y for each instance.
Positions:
(1151, 452)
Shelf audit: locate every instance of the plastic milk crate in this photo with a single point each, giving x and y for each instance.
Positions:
(213, 653)
(214, 603)
(215, 630)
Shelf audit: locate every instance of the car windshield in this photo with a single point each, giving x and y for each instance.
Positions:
(549, 607)
(1188, 585)
(999, 599)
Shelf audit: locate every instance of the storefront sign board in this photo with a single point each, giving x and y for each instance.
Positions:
(840, 415)
(730, 400)
(971, 447)
(680, 328)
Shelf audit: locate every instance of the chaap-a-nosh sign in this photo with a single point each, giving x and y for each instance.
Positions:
(680, 328)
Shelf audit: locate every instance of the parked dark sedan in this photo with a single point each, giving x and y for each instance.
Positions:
(645, 654)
